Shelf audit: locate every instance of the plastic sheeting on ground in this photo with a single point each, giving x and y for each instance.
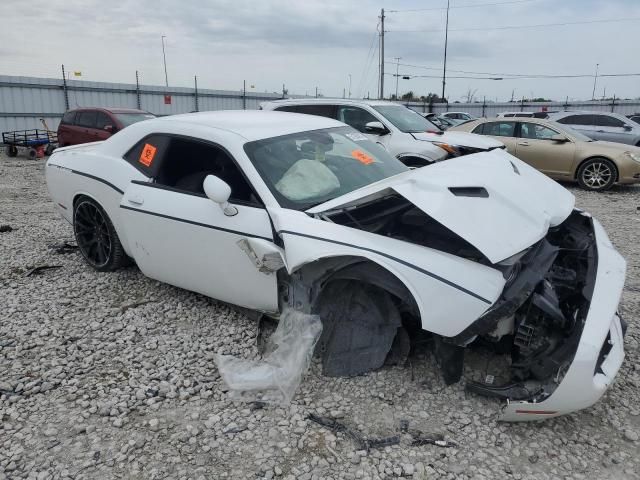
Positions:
(276, 377)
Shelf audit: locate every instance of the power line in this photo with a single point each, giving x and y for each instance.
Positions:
(524, 77)
(512, 27)
(368, 61)
(463, 6)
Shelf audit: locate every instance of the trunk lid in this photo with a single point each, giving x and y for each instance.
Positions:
(494, 201)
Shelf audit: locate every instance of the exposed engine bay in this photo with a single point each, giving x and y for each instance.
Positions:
(539, 318)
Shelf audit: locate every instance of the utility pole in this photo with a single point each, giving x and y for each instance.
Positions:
(382, 54)
(195, 93)
(397, 59)
(316, 92)
(595, 79)
(138, 91)
(446, 41)
(164, 58)
(64, 89)
(349, 85)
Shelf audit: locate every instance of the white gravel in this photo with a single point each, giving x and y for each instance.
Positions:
(111, 375)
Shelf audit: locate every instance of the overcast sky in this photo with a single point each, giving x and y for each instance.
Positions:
(318, 43)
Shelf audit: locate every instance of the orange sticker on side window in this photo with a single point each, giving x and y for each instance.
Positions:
(148, 152)
(362, 157)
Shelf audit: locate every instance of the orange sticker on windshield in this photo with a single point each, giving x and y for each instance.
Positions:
(362, 157)
(148, 152)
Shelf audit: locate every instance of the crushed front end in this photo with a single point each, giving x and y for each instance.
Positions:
(557, 317)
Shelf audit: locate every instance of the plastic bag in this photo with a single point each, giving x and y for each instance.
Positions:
(276, 377)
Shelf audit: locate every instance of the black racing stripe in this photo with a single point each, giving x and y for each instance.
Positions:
(407, 264)
(93, 177)
(191, 222)
(98, 179)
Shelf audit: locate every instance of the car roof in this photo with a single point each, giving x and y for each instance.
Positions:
(565, 113)
(253, 124)
(332, 101)
(109, 109)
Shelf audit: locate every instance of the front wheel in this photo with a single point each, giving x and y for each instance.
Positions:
(597, 174)
(96, 237)
(12, 151)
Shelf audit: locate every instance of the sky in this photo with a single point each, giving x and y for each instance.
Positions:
(325, 44)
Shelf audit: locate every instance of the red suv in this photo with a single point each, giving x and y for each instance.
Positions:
(85, 125)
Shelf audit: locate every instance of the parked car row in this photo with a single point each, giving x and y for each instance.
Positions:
(562, 152)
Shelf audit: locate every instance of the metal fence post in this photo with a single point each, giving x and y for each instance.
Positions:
(484, 105)
(244, 94)
(195, 93)
(138, 102)
(64, 89)
(522, 105)
(613, 103)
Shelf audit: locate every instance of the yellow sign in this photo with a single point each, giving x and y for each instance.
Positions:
(77, 74)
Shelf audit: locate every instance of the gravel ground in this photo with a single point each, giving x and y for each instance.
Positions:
(111, 375)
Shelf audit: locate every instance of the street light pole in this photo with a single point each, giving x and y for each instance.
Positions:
(164, 58)
(446, 40)
(397, 59)
(595, 79)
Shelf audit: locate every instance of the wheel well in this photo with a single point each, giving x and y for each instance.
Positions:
(306, 284)
(615, 167)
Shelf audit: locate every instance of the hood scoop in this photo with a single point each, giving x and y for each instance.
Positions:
(477, 192)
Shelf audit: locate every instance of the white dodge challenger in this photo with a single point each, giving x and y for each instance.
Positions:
(267, 210)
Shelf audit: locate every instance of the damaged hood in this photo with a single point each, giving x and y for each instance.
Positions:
(494, 201)
(462, 139)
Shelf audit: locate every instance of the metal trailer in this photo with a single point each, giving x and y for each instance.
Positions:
(37, 142)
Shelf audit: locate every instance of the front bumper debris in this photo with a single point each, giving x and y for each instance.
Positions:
(600, 350)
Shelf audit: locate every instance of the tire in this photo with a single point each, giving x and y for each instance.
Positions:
(96, 237)
(12, 151)
(32, 153)
(597, 174)
(359, 324)
(49, 149)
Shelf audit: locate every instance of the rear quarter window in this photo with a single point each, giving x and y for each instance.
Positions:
(148, 154)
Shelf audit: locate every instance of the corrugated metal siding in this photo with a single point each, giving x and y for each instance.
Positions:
(24, 100)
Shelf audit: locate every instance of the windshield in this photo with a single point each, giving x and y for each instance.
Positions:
(405, 119)
(130, 118)
(308, 168)
(574, 133)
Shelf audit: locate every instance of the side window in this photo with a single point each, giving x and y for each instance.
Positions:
(68, 118)
(478, 129)
(86, 119)
(607, 121)
(508, 115)
(355, 117)
(289, 108)
(328, 111)
(148, 154)
(536, 132)
(577, 120)
(102, 120)
(187, 162)
(499, 129)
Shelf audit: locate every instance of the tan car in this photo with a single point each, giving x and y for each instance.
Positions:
(562, 153)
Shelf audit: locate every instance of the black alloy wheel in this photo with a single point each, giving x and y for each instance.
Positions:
(96, 237)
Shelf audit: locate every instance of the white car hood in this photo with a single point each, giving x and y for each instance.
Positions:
(462, 139)
(520, 207)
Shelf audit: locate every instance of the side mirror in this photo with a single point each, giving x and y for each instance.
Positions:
(559, 138)
(628, 128)
(108, 128)
(376, 128)
(219, 191)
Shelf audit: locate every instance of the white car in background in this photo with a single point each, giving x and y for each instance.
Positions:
(404, 133)
(458, 117)
(277, 210)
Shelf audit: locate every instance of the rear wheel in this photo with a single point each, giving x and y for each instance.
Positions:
(96, 237)
(49, 149)
(597, 174)
(12, 151)
(359, 324)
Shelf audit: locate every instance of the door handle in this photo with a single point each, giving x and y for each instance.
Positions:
(523, 144)
(136, 200)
